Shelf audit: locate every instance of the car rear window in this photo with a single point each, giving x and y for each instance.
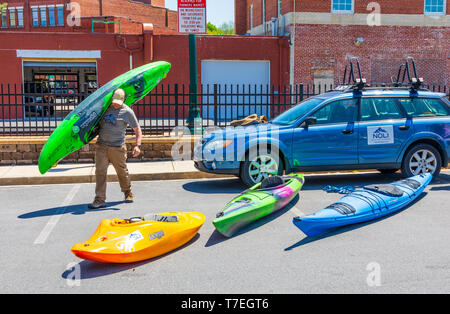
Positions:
(379, 108)
(425, 107)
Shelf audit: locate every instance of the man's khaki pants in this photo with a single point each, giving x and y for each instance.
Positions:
(104, 155)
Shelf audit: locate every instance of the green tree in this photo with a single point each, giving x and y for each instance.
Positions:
(3, 6)
(224, 29)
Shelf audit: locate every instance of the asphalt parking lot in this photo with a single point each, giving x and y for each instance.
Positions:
(407, 252)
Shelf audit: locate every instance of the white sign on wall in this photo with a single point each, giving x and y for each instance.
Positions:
(192, 16)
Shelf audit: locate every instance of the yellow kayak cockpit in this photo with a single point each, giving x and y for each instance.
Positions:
(137, 239)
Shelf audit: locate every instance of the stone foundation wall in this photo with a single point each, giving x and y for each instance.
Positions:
(26, 151)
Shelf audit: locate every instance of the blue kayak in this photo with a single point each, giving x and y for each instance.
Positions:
(368, 203)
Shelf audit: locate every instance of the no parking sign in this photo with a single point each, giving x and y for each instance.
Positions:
(192, 16)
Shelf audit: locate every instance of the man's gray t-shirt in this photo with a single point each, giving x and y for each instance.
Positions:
(114, 124)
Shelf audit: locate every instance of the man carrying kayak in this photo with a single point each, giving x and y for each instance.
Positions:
(111, 148)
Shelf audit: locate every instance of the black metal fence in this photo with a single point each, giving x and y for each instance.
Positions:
(25, 111)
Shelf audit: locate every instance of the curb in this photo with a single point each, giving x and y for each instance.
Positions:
(42, 180)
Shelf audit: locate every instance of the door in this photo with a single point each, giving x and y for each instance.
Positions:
(332, 141)
(383, 129)
(249, 79)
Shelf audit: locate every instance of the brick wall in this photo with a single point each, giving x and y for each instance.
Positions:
(27, 151)
(383, 50)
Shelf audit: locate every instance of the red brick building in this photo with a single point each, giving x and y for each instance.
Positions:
(323, 33)
(40, 40)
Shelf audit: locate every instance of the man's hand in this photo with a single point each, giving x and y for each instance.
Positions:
(136, 151)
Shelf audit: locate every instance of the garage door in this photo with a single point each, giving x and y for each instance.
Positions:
(242, 88)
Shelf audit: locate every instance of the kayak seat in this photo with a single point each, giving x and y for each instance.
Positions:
(342, 208)
(271, 182)
(413, 184)
(385, 189)
(163, 218)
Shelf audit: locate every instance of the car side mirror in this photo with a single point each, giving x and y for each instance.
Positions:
(308, 121)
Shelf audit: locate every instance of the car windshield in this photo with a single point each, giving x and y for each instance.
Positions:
(295, 113)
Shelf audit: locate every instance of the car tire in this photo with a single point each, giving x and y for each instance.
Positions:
(387, 171)
(421, 158)
(270, 163)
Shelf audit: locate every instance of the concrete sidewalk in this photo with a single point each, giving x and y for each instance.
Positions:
(85, 173)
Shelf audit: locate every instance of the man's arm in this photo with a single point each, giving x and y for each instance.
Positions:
(137, 150)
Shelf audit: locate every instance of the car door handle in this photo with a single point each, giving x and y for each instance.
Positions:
(347, 131)
(403, 127)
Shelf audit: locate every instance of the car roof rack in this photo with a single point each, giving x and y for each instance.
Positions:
(350, 82)
(353, 83)
(415, 82)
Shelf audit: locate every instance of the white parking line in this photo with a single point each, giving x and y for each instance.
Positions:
(57, 216)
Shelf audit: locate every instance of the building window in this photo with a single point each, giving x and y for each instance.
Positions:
(43, 16)
(51, 16)
(251, 16)
(435, 7)
(12, 17)
(4, 18)
(60, 15)
(342, 6)
(35, 14)
(20, 17)
(279, 8)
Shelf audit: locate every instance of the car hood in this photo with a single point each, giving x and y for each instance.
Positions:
(251, 130)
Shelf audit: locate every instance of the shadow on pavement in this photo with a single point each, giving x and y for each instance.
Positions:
(79, 209)
(90, 269)
(216, 237)
(215, 186)
(348, 228)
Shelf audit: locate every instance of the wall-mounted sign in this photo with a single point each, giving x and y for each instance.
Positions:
(192, 16)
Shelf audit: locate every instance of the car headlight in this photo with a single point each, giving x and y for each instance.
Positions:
(217, 145)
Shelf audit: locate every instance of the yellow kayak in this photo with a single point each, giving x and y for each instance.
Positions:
(136, 239)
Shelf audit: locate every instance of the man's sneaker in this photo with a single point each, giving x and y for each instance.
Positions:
(129, 198)
(96, 204)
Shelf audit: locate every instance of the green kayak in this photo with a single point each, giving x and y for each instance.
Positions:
(264, 198)
(80, 126)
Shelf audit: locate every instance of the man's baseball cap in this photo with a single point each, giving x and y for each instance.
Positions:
(118, 97)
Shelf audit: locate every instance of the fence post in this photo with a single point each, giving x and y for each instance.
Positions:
(301, 92)
(215, 104)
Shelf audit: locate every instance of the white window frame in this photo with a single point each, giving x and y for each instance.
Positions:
(43, 9)
(57, 20)
(35, 9)
(20, 22)
(444, 12)
(352, 11)
(4, 17)
(12, 12)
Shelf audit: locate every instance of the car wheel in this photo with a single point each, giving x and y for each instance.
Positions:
(259, 166)
(422, 158)
(388, 171)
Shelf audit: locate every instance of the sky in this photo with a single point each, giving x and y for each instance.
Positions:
(217, 11)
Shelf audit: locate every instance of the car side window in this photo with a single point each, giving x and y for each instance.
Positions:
(424, 107)
(341, 111)
(379, 108)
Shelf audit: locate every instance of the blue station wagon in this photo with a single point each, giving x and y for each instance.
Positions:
(386, 128)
